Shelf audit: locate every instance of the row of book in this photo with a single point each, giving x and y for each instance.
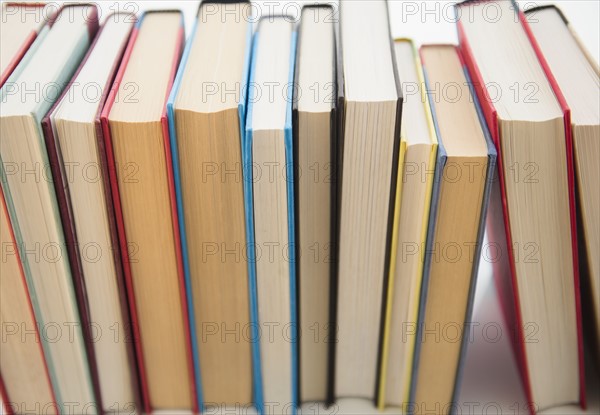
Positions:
(293, 213)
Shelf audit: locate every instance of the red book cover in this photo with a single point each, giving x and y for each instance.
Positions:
(4, 397)
(572, 204)
(26, 43)
(3, 390)
(498, 218)
(175, 221)
(61, 187)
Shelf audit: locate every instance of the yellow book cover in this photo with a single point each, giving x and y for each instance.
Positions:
(428, 180)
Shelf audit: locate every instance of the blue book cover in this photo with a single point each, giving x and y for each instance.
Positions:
(177, 180)
(248, 160)
(490, 177)
(180, 205)
(441, 161)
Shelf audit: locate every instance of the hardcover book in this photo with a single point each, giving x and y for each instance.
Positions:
(532, 208)
(368, 90)
(315, 179)
(32, 202)
(268, 149)
(77, 157)
(135, 129)
(207, 110)
(416, 164)
(578, 77)
(464, 172)
(22, 362)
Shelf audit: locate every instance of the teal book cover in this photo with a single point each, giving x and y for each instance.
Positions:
(28, 95)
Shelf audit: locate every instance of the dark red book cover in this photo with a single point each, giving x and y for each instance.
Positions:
(498, 218)
(24, 46)
(175, 222)
(114, 235)
(61, 187)
(3, 391)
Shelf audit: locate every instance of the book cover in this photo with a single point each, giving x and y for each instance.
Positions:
(249, 209)
(4, 396)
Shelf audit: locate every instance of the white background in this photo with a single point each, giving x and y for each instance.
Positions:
(491, 384)
(425, 21)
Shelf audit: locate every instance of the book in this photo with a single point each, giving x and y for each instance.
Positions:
(206, 119)
(75, 147)
(578, 77)
(21, 24)
(532, 208)
(25, 379)
(370, 106)
(315, 158)
(31, 201)
(416, 165)
(464, 172)
(22, 359)
(135, 129)
(269, 151)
